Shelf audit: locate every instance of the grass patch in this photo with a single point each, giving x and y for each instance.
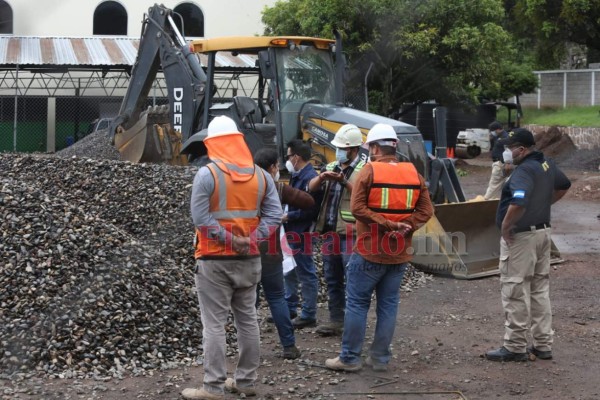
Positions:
(570, 116)
(461, 172)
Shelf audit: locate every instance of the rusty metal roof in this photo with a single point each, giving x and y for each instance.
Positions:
(86, 51)
(90, 51)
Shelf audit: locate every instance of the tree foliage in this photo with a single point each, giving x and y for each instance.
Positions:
(454, 52)
(551, 25)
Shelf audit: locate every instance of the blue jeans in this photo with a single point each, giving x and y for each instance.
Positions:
(334, 263)
(272, 283)
(362, 278)
(304, 274)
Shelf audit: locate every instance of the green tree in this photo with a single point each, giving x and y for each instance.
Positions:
(552, 25)
(455, 52)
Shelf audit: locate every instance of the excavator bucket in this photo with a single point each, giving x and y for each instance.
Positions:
(150, 139)
(461, 240)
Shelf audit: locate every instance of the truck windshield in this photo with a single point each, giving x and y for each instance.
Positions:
(305, 73)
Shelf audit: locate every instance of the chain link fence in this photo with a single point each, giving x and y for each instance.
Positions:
(357, 98)
(72, 117)
(28, 132)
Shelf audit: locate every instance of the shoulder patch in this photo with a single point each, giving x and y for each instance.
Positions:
(519, 194)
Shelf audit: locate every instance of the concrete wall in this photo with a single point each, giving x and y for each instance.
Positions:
(565, 88)
(75, 17)
(583, 138)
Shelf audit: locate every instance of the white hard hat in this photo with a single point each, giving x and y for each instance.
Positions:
(222, 125)
(347, 136)
(383, 132)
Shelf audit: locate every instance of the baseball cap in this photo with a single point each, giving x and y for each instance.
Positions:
(521, 136)
(494, 126)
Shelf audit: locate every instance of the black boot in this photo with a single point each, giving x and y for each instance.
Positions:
(503, 354)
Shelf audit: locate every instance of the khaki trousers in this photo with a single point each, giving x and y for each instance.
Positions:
(223, 285)
(497, 179)
(525, 282)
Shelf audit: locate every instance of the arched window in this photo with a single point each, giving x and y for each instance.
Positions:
(6, 17)
(193, 19)
(110, 18)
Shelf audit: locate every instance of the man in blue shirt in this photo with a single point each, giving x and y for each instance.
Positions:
(298, 226)
(523, 217)
(500, 169)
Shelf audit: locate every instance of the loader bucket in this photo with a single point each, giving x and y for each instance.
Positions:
(461, 240)
(150, 139)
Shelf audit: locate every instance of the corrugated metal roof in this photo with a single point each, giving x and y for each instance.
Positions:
(88, 51)
(98, 51)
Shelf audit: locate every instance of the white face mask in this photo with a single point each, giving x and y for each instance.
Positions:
(290, 166)
(277, 176)
(341, 155)
(507, 155)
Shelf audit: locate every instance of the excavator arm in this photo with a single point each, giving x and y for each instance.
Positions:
(155, 134)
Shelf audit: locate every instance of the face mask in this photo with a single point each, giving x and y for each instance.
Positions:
(277, 176)
(290, 166)
(494, 133)
(341, 155)
(507, 156)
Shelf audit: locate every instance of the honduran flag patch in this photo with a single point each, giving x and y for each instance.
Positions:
(519, 194)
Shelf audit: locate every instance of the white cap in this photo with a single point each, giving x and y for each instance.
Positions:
(347, 136)
(383, 132)
(221, 126)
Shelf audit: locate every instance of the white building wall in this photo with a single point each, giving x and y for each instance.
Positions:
(75, 17)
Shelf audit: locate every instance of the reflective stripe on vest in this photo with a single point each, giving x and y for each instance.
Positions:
(222, 212)
(395, 201)
(236, 206)
(234, 167)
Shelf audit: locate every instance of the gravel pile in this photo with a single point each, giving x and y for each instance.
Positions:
(96, 270)
(95, 145)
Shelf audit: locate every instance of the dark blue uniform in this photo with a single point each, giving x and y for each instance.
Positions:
(531, 186)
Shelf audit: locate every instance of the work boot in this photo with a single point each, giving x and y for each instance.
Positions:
(300, 323)
(503, 354)
(339, 365)
(291, 352)
(200, 394)
(332, 328)
(377, 367)
(231, 386)
(542, 355)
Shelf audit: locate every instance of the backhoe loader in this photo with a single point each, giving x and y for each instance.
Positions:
(278, 89)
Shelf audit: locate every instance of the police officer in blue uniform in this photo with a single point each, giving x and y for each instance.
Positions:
(524, 219)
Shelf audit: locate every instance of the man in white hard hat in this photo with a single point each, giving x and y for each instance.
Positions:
(233, 204)
(336, 222)
(389, 201)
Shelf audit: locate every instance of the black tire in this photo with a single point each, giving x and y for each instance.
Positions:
(473, 151)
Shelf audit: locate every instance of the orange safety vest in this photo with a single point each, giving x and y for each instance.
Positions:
(395, 190)
(235, 203)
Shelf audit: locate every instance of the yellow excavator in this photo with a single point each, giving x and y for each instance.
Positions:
(278, 89)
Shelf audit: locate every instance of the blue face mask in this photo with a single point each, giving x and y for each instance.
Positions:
(341, 155)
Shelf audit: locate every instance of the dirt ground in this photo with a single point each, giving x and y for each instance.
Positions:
(443, 330)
